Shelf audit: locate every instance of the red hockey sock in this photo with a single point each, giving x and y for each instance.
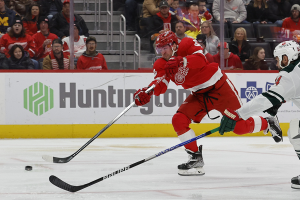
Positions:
(252, 125)
(181, 125)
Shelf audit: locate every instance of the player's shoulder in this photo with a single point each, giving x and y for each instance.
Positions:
(188, 46)
(187, 40)
(159, 64)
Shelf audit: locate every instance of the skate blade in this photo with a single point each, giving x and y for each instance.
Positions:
(294, 186)
(192, 172)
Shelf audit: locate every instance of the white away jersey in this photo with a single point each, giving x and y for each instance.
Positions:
(286, 88)
(79, 46)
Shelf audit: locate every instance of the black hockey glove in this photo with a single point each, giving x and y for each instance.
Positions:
(273, 110)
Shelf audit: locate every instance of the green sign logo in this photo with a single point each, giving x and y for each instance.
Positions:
(38, 98)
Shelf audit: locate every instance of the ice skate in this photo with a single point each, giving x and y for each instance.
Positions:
(194, 166)
(296, 182)
(274, 128)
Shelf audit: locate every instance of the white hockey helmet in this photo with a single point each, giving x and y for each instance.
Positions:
(289, 48)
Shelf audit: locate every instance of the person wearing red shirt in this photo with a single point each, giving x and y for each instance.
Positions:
(91, 59)
(291, 25)
(31, 19)
(211, 90)
(231, 61)
(17, 35)
(43, 39)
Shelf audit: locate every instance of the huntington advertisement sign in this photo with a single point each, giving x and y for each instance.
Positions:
(97, 98)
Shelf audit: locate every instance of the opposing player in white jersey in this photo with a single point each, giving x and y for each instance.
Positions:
(286, 88)
(211, 90)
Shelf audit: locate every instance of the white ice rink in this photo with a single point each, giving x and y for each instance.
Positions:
(236, 168)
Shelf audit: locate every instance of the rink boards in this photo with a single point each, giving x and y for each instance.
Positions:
(67, 105)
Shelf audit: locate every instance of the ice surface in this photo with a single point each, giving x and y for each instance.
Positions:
(236, 168)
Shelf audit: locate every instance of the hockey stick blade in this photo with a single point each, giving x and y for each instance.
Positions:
(67, 159)
(65, 186)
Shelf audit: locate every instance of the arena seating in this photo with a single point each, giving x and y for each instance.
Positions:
(248, 27)
(265, 45)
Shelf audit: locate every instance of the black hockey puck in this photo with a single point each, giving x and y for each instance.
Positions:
(28, 168)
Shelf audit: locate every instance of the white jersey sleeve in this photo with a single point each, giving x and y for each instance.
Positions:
(286, 88)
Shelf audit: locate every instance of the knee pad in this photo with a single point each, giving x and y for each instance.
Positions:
(294, 134)
(180, 123)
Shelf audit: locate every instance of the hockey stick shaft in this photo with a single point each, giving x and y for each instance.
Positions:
(67, 159)
(65, 186)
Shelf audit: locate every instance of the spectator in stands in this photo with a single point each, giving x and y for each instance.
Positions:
(59, 25)
(257, 12)
(150, 8)
(180, 30)
(79, 44)
(231, 61)
(257, 60)
(19, 59)
(278, 11)
(192, 15)
(234, 11)
(50, 8)
(203, 11)
(43, 39)
(57, 59)
(20, 6)
(239, 44)
(176, 9)
(31, 19)
(212, 40)
(16, 35)
(91, 59)
(6, 17)
(131, 13)
(163, 20)
(201, 38)
(292, 24)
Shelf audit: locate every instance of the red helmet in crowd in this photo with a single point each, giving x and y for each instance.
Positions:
(165, 38)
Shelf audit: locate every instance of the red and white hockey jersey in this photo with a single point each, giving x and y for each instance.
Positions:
(194, 74)
(6, 43)
(79, 46)
(39, 39)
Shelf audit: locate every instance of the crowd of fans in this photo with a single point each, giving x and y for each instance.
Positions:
(35, 35)
(195, 18)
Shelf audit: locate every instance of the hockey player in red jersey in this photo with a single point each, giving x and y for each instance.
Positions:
(211, 89)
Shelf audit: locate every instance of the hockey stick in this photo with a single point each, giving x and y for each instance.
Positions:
(65, 186)
(67, 159)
